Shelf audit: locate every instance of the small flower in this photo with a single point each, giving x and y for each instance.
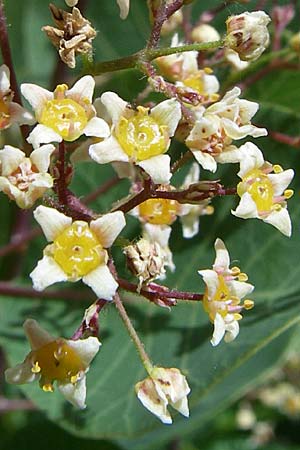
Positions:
(61, 360)
(71, 2)
(247, 34)
(124, 8)
(78, 251)
(263, 193)
(216, 127)
(25, 179)
(189, 213)
(234, 60)
(162, 388)
(10, 112)
(146, 260)
(225, 288)
(140, 136)
(64, 114)
(73, 36)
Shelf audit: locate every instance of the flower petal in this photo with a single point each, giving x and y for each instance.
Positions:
(51, 221)
(190, 225)
(4, 79)
(239, 288)
(167, 113)
(148, 396)
(43, 135)
(97, 127)
(251, 158)
(232, 330)
(20, 115)
(108, 151)
(158, 167)
(222, 260)
(247, 208)
(41, 157)
(115, 105)
(36, 335)
(47, 272)
(101, 281)
(210, 278)
(36, 96)
(20, 374)
(85, 348)
(219, 330)
(108, 227)
(74, 393)
(280, 220)
(281, 180)
(205, 160)
(124, 8)
(10, 158)
(83, 89)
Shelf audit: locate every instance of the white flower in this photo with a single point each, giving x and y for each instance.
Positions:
(247, 34)
(139, 136)
(25, 179)
(124, 8)
(190, 213)
(225, 288)
(63, 361)
(263, 193)
(210, 140)
(162, 388)
(78, 251)
(11, 112)
(233, 58)
(64, 114)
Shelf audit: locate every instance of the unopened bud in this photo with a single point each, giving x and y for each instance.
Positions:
(205, 33)
(247, 34)
(145, 260)
(172, 23)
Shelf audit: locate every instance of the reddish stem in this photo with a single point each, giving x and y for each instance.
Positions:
(163, 13)
(285, 139)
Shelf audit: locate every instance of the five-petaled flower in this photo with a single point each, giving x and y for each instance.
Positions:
(59, 360)
(211, 138)
(11, 112)
(164, 386)
(25, 179)
(225, 288)
(64, 114)
(78, 251)
(263, 190)
(140, 136)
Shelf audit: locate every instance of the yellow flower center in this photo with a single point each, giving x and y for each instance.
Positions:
(65, 116)
(56, 361)
(195, 82)
(141, 137)
(159, 211)
(78, 251)
(259, 186)
(222, 294)
(4, 114)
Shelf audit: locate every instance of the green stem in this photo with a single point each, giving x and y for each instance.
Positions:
(137, 60)
(133, 334)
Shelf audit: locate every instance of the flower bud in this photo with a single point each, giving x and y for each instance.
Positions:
(205, 33)
(172, 23)
(247, 34)
(295, 42)
(145, 260)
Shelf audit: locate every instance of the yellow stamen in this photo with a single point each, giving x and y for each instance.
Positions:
(248, 304)
(243, 277)
(48, 387)
(237, 316)
(288, 193)
(75, 378)
(208, 70)
(235, 271)
(35, 368)
(277, 168)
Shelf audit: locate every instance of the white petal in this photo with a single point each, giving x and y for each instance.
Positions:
(41, 157)
(97, 127)
(167, 113)
(10, 158)
(158, 167)
(192, 176)
(219, 330)
(115, 105)
(51, 221)
(108, 151)
(43, 135)
(157, 233)
(108, 227)
(281, 180)
(182, 406)
(230, 154)
(239, 288)
(36, 96)
(190, 225)
(205, 160)
(74, 393)
(232, 330)
(82, 89)
(101, 281)
(4, 79)
(210, 278)
(47, 272)
(85, 348)
(280, 220)
(124, 8)
(20, 374)
(20, 115)
(235, 131)
(36, 335)
(251, 158)
(157, 405)
(247, 208)
(222, 260)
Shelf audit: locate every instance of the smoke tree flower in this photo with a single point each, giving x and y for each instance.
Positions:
(225, 288)
(78, 251)
(24, 179)
(124, 8)
(59, 360)
(263, 190)
(140, 136)
(64, 114)
(11, 112)
(210, 140)
(164, 386)
(247, 34)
